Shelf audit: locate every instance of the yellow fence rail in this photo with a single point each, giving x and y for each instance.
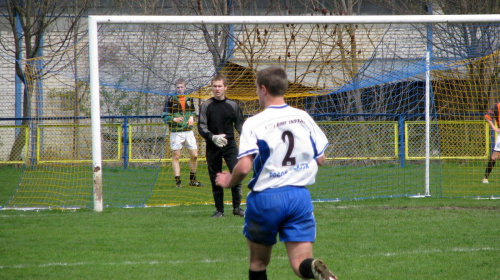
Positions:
(72, 143)
(361, 140)
(448, 140)
(10, 145)
(149, 142)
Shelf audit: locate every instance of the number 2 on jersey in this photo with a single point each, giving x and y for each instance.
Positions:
(288, 160)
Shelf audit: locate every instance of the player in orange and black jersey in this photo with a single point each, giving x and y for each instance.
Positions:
(493, 119)
(179, 114)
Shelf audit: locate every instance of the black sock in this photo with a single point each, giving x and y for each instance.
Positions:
(257, 275)
(177, 179)
(305, 269)
(491, 164)
(192, 176)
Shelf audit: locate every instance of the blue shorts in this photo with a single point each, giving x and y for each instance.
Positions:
(286, 210)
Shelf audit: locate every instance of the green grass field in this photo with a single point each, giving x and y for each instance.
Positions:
(70, 186)
(399, 238)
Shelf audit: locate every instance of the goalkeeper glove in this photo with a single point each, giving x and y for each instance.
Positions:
(219, 140)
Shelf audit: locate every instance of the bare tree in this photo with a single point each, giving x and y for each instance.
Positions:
(33, 18)
(320, 44)
(477, 40)
(216, 36)
(466, 40)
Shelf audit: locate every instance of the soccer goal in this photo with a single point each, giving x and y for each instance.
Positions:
(401, 99)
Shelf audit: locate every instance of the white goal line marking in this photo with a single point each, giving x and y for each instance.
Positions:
(433, 251)
(22, 266)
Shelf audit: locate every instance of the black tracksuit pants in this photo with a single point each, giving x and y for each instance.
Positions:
(214, 156)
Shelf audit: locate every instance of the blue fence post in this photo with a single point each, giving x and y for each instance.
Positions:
(125, 142)
(401, 127)
(18, 83)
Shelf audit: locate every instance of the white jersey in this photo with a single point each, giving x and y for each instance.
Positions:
(285, 142)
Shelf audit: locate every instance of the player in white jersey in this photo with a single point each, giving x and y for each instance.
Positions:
(286, 142)
(283, 146)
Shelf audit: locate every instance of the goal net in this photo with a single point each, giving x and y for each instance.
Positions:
(401, 100)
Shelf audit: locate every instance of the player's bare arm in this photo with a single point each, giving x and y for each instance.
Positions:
(321, 160)
(492, 124)
(240, 171)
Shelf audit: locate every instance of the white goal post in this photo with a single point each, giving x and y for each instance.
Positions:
(94, 21)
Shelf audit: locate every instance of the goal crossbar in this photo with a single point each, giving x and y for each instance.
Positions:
(294, 19)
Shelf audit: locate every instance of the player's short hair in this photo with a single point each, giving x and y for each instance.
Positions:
(219, 77)
(274, 79)
(180, 81)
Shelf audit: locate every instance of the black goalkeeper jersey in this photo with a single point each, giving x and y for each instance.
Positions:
(219, 117)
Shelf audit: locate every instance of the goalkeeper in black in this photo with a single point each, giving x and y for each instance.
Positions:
(219, 118)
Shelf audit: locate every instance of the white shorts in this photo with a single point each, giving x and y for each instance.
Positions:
(179, 139)
(497, 144)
